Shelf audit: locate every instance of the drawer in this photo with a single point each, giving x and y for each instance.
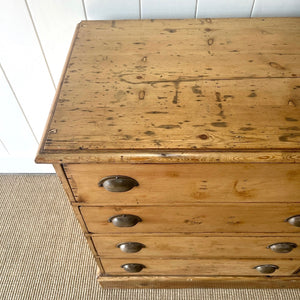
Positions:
(219, 267)
(163, 184)
(247, 217)
(193, 246)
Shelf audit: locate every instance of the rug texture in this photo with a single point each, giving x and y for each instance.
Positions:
(44, 255)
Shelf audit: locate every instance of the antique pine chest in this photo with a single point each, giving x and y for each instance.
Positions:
(178, 145)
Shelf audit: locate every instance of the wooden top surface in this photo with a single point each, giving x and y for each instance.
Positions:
(184, 86)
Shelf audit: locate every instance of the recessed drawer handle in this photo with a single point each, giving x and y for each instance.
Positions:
(295, 220)
(124, 220)
(282, 247)
(266, 269)
(118, 183)
(131, 247)
(133, 268)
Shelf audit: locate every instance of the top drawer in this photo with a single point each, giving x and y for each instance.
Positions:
(161, 184)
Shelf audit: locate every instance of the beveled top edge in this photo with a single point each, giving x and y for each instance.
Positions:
(170, 157)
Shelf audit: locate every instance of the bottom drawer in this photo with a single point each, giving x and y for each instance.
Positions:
(230, 267)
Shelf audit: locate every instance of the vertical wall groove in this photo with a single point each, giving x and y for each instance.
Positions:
(140, 9)
(196, 9)
(40, 43)
(1, 142)
(251, 12)
(18, 102)
(84, 9)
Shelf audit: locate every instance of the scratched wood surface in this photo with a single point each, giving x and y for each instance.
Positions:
(165, 184)
(227, 218)
(224, 84)
(236, 267)
(194, 246)
(165, 282)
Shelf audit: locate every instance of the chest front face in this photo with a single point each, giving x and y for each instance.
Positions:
(178, 144)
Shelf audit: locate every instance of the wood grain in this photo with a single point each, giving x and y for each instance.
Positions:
(165, 282)
(64, 181)
(237, 267)
(193, 246)
(140, 85)
(57, 93)
(161, 184)
(168, 156)
(229, 218)
(238, 114)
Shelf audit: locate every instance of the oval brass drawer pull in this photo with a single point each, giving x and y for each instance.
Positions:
(133, 268)
(266, 269)
(124, 220)
(295, 220)
(118, 183)
(131, 247)
(282, 247)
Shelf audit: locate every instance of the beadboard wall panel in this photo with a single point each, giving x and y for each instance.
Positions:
(3, 150)
(55, 21)
(17, 141)
(224, 8)
(112, 9)
(168, 9)
(24, 64)
(276, 8)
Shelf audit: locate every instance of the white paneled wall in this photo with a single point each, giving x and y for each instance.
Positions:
(3, 150)
(17, 140)
(168, 9)
(23, 62)
(224, 8)
(35, 36)
(55, 21)
(112, 9)
(276, 8)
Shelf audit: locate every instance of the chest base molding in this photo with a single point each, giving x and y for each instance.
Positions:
(165, 282)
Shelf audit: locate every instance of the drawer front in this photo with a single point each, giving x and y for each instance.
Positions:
(159, 246)
(205, 218)
(162, 184)
(219, 267)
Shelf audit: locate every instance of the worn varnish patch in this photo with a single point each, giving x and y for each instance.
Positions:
(195, 245)
(166, 85)
(202, 218)
(188, 183)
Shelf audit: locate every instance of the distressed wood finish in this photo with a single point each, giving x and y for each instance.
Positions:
(163, 184)
(205, 115)
(230, 218)
(227, 120)
(156, 156)
(160, 85)
(193, 246)
(238, 267)
(165, 282)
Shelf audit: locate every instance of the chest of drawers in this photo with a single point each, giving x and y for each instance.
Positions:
(178, 145)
